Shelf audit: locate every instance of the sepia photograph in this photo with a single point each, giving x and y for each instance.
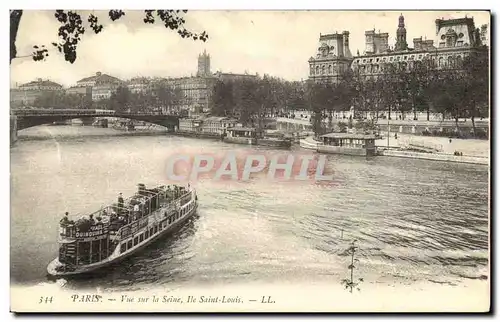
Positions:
(250, 161)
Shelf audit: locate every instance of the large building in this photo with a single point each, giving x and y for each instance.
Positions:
(102, 85)
(333, 58)
(455, 39)
(197, 90)
(26, 94)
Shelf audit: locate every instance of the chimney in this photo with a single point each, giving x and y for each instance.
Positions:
(438, 25)
(417, 43)
(98, 74)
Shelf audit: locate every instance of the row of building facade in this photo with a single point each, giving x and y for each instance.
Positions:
(455, 39)
(195, 90)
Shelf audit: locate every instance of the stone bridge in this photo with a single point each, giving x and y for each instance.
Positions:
(25, 118)
(33, 117)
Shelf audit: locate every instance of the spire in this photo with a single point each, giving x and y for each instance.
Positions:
(401, 21)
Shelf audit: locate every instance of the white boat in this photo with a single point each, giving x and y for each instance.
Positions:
(120, 230)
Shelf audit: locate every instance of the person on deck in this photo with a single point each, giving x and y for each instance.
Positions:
(136, 212)
(65, 219)
(120, 203)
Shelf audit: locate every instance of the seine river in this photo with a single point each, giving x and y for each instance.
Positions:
(414, 220)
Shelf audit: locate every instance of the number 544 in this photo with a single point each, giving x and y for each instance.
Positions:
(45, 299)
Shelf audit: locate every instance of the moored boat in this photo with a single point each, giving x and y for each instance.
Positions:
(120, 230)
(274, 139)
(347, 143)
(241, 135)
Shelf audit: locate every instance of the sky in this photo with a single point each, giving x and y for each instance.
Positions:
(277, 43)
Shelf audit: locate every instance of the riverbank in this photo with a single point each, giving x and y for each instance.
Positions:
(473, 151)
(435, 156)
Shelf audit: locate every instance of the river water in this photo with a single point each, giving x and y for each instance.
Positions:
(414, 220)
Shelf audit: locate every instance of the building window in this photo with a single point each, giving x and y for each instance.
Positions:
(450, 61)
(441, 62)
(391, 59)
(317, 70)
(323, 70)
(329, 69)
(129, 244)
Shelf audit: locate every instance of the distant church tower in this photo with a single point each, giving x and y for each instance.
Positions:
(401, 35)
(203, 64)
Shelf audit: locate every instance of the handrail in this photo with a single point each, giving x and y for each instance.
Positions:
(118, 232)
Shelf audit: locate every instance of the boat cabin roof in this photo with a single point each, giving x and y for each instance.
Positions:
(349, 136)
(246, 129)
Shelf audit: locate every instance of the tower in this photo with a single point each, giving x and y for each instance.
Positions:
(345, 38)
(203, 64)
(401, 35)
(369, 42)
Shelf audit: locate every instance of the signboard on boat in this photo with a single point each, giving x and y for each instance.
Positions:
(94, 232)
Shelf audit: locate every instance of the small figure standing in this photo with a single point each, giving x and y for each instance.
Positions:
(120, 203)
(65, 219)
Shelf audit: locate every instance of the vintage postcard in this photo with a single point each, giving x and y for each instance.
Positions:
(249, 161)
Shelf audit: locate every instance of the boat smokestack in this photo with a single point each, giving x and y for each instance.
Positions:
(141, 189)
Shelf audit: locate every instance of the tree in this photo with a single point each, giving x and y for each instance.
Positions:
(222, 100)
(72, 29)
(120, 99)
(476, 86)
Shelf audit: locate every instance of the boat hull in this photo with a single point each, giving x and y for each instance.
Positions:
(53, 265)
(276, 143)
(345, 150)
(240, 140)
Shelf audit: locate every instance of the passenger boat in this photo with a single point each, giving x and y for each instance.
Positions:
(241, 135)
(347, 143)
(120, 230)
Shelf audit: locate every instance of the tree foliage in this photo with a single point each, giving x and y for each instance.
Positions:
(252, 99)
(74, 25)
(457, 89)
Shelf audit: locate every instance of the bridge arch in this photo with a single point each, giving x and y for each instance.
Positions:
(31, 117)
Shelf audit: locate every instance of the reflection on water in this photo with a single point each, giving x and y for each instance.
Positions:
(414, 220)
